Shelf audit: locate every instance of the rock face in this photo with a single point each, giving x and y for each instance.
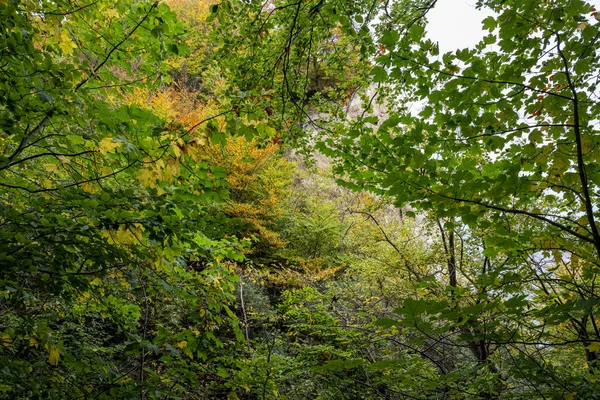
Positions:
(357, 107)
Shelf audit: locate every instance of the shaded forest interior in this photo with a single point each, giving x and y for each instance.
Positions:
(298, 199)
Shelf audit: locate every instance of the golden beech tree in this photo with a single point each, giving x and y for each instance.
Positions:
(255, 199)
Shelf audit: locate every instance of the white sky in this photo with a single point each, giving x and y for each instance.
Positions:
(456, 24)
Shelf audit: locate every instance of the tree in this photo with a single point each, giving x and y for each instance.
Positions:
(286, 60)
(103, 209)
(129, 167)
(502, 152)
(502, 155)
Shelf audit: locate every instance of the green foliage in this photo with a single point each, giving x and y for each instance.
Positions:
(312, 225)
(285, 55)
(499, 157)
(115, 282)
(468, 272)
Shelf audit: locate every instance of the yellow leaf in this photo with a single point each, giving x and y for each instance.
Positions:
(66, 44)
(582, 25)
(176, 151)
(171, 169)
(88, 187)
(96, 281)
(181, 344)
(146, 177)
(124, 235)
(6, 340)
(52, 168)
(108, 145)
(111, 12)
(33, 342)
(53, 355)
(570, 396)
(63, 160)
(594, 346)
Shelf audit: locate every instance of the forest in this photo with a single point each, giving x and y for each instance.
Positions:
(298, 199)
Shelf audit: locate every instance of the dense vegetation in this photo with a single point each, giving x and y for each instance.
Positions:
(297, 199)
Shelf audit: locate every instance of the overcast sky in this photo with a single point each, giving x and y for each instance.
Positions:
(456, 24)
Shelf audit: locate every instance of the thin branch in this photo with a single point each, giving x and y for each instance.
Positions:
(541, 217)
(107, 57)
(24, 141)
(474, 78)
(589, 208)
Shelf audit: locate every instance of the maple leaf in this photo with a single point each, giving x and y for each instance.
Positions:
(146, 177)
(52, 168)
(594, 346)
(108, 145)
(66, 44)
(53, 355)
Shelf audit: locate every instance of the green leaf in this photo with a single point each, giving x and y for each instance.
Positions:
(386, 323)
(379, 74)
(489, 23)
(390, 38)
(222, 372)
